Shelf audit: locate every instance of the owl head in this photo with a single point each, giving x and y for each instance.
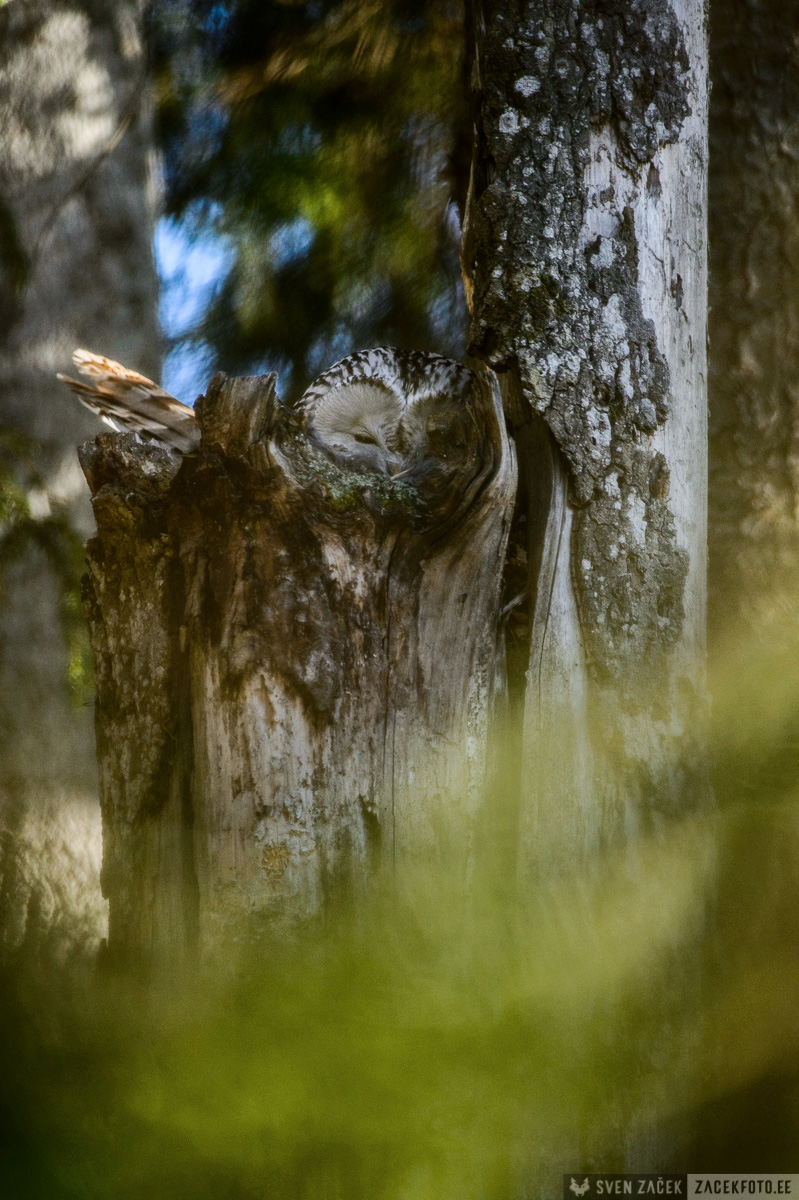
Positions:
(374, 410)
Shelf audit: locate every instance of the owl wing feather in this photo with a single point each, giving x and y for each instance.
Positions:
(372, 406)
(384, 396)
(126, 400)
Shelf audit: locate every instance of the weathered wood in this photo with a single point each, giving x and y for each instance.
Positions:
(586, 252)
(295, 662)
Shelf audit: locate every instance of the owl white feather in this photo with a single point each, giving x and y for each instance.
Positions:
(369, 410)
(372, 408)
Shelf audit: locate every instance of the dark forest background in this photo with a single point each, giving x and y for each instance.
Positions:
(321, 151)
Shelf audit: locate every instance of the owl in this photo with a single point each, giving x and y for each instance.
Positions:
(370, 411)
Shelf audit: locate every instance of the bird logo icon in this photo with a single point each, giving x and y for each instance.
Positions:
(579, 1189)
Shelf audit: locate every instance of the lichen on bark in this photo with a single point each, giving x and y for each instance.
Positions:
(556, 289)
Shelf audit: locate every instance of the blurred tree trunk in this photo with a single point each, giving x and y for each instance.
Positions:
(754, 321)
(76, 220)
(754, 534)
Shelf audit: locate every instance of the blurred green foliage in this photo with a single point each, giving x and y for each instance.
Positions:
(431, 1046)
(53, 534)
(445, 1042)
(323, 140)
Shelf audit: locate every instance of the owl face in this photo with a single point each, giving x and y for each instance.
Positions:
(372, 409)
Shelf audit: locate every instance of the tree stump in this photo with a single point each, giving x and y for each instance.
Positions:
(295, 663)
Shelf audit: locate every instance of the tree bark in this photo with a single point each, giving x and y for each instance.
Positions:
(585, 256)
(585, 253)
(295, 665)
(76, 221)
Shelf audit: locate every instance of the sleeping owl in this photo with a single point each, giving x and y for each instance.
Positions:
(370, 411)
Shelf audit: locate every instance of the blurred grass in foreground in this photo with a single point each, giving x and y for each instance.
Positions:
(436, 1045)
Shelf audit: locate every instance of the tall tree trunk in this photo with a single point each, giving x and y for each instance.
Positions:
(585, 257)
(754, 534)
(586, 254)
(76, 220)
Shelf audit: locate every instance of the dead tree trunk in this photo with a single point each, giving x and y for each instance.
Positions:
(295, 663)
(585, 254)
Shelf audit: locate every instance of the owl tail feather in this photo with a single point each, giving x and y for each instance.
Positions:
(128, 401)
